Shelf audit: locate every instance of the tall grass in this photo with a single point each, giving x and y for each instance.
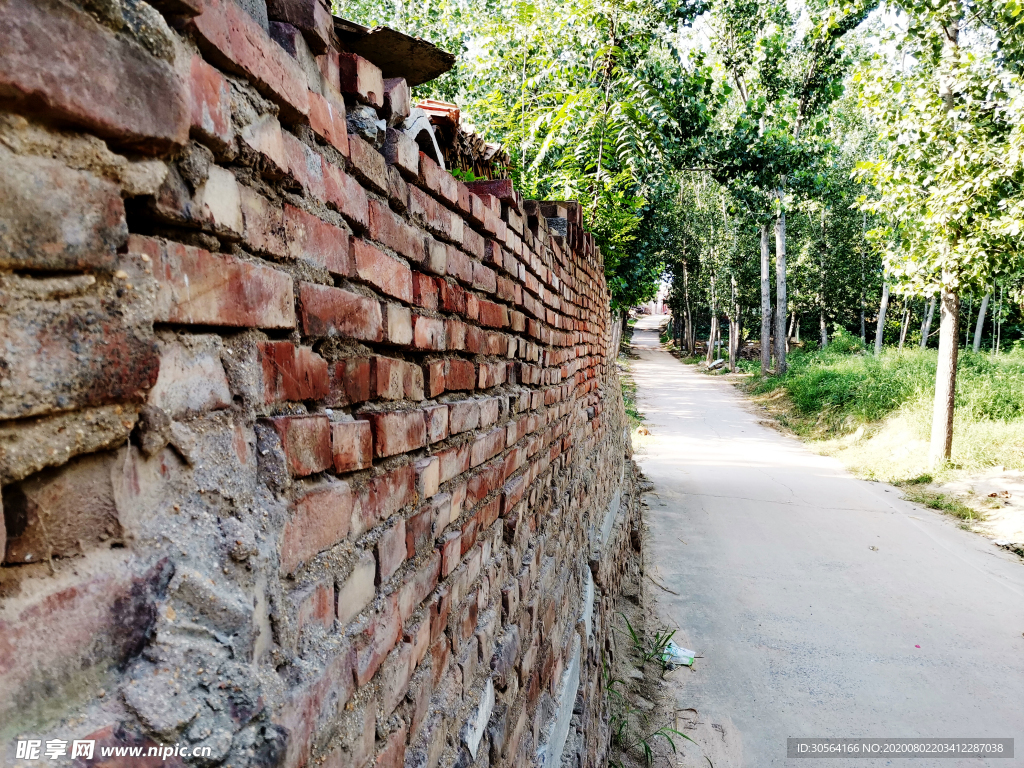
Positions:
(835, 391)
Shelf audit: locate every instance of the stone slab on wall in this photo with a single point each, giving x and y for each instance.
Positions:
(301, 439)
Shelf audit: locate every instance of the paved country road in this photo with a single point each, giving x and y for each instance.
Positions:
(823, 605)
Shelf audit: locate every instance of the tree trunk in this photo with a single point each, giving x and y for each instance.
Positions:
(734, 327)
(926, 323)
(863, 318)
(945, 378)
(714, 324)
(906, 325)
(980, 326)
(781, 305)
(882, 309)
(999, 322)
(766, 305)
(823, 327)
(688, 341)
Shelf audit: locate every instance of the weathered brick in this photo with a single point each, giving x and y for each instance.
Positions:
(387, 274)
(493, 315)
(454, 461)
(330, 311)
(451, 552)
(392, 753)
(434, 373)
(315, 606)
(39, 197)
(486, 446)
(392, 379)
(397, 432)
(291, 373)
(368, 164)
(312, 239)
(306, 441)
(327, 118)
(305, 166)
(63, 512)
(427, 476)
(402, 152)
(437, 180)
(351, 445)
(377, 640)
(398, 329)
(361, 79)
(428, 332)
(350, 380)
(345, 195)
(265, 137)
(394, 677)
(460, 375)
(210, 106)
(424, 291)
(308, 15)
(386, 494)
(196, 287)
(484, 278)
(463, 416)
(391, 230)
(230, 38)
(263, 222)
(391, 551)
(105, 83)
(61, 355)
(357, 590)
(436, 418)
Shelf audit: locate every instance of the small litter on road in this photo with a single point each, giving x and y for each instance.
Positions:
(873, 549)
(677, 655)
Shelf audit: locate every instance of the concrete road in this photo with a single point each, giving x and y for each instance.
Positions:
(823, 605)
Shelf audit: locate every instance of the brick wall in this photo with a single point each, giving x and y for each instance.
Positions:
(311, 454)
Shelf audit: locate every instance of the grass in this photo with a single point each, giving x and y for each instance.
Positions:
(915, 490)
(633, 414)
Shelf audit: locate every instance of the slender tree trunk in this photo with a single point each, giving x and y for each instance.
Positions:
(734, 327)
(980, 326)
(882, 309)
(926, 323)
(766, 305)
(796, 329)
(714, 324)
(906, 325)
(863, 318)
(823, 327)
(688, 341)
(999, 321)
(781, 305)
(945, 378)
(822, 324)
(863, 325)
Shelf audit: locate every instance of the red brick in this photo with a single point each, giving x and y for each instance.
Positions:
(368, 164)
(401, 151)
(328, 65)
(392, 754)
(398, 190)
(350, 380)
(419, 532)
(105, 83)
(437, 257)
(452, 297)
(305, 166)
(461, 375)
(327, 118)
(436, 418)
(460, 266)
(320, 518)
(456, 330)
(451, 552)
(489, 513)
(398, 330)
(397, 432)
(231, 39)
(493, 315)
(291, 373)
(263, 223)
(330, 311)
(351, 445)
(492, 375)
(210, 106)
(482, 484)
(424, 291)
(38, 197)
(316, 606)
(312, 239)
(434, 373)
(391, 551)
(473, 243)
(386, 494)
(454, 461)
(428, 332)
(393, 678)
(390, 229)
(463, 416)
(361, 78)
(311, 707)
(484, 278)
(434, 216)
(308, 15)
(196, 287)
(384, 272)
(488, 445)
(377, 640)
(306, 441)
(265, 137)
(437, 180)
(345, 195)
(427, 477)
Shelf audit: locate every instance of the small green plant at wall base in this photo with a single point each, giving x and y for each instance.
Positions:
(653, 651)
(465, 176)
